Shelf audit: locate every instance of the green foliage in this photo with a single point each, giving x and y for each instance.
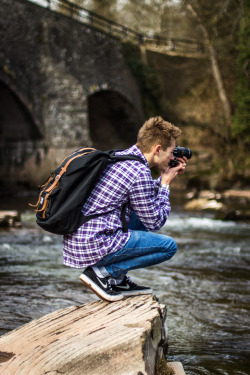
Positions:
(241, 120)
(147, 80)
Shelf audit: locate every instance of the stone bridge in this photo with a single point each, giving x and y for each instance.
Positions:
(63, 85)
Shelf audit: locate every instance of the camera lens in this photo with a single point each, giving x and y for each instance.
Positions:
(188, 153)
(182, 151)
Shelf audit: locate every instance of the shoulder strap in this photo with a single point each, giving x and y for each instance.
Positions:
(120, 158)
(123, 218)
(114, 157)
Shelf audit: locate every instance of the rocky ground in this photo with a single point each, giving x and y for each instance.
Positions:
(228, 205)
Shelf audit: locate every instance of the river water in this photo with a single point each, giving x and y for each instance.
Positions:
(205, 287)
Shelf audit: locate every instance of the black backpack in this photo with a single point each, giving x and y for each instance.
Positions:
(61, 198)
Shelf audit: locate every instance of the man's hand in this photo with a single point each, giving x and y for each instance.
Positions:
(182, 164)
(169, 174)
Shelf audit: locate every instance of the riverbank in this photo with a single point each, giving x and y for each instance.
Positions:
(229, 204)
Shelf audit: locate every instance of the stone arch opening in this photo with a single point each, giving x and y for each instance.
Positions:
(113, 120)
(19, 134)
(16, 123)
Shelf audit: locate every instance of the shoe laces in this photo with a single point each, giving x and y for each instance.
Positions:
(109, 286)
(129, 281)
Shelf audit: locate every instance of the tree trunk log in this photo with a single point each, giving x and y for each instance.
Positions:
(98, 338)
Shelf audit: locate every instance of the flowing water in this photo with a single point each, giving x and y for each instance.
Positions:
(205, 287)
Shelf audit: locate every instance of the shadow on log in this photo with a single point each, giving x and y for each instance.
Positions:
(98, 338)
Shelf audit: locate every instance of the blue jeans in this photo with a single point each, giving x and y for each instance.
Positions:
(143, 249)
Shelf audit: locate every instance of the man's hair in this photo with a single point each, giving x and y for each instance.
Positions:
(156, 131)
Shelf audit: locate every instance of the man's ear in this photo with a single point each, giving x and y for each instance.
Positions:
(157, 149)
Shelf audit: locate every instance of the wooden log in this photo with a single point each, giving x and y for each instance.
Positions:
(98, 338)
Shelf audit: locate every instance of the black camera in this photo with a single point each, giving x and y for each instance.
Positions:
(180, 152)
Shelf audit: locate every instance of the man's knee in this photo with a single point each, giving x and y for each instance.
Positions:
(171, 247)
(174, 247)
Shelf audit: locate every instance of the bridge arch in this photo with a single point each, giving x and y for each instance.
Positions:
(19, 134)
(16, 121)
(113, 120)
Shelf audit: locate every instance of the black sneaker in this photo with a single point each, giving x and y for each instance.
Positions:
(100, 286)
(128, 288)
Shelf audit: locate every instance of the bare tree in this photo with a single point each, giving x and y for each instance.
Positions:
(194, 10)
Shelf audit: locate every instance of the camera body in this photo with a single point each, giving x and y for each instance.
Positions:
(180, 152)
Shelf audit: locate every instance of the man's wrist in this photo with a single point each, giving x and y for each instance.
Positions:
(164, 186)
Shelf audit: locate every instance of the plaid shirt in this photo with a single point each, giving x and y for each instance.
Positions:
(122, 182)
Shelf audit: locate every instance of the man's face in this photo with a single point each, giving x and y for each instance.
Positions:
(164, 157)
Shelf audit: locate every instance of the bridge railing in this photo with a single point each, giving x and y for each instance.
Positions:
(113, 28)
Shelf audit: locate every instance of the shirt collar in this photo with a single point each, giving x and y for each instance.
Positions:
(134, 150)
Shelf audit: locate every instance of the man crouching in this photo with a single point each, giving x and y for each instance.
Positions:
(101, 246)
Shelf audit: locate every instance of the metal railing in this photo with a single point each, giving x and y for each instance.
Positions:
(115, 29)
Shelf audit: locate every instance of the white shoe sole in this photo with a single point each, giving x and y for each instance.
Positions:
(98, 291)
(136, 292)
